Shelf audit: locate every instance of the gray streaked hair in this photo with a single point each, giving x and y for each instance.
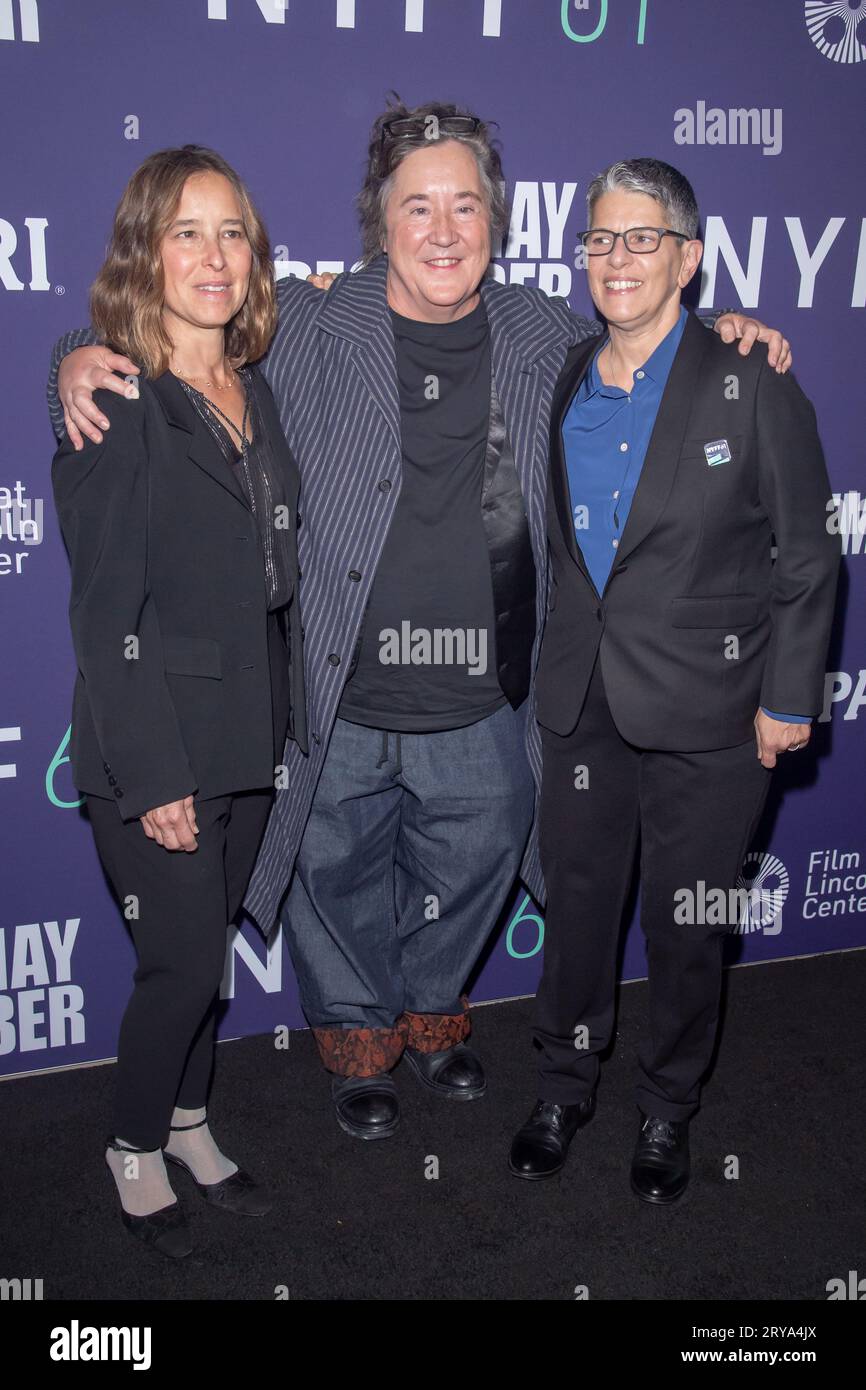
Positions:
(657, 180)
(384, 157)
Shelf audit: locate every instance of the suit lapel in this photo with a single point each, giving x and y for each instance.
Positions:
(521, 334)
(517, 385)
(202, 448)
(357, 310)
(574, 370)
(663, 452)
(376, 364)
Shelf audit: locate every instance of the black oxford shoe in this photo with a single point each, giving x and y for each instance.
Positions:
(367, 1107)
(660, 1167)
(455, 1072)
(540, 1148)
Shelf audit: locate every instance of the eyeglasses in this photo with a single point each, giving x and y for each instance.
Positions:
(431, 127)
(642, 240)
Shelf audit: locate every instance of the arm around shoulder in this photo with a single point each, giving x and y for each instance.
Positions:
(78, 337)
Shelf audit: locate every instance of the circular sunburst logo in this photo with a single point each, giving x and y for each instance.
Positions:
(837, 28)
(766, 881)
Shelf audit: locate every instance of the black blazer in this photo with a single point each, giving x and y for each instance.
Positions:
(694, 566)
(168, 606)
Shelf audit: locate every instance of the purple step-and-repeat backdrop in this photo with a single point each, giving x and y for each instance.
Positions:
(761, 105)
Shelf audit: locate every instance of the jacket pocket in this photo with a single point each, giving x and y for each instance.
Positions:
(728, 610)
(192, 656)
(739, 445)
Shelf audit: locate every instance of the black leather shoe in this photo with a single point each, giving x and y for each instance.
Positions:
(238, 1192)
(455, 1072)
(540, 1147)
(166, 1229)
(660, 1167)
(366, 1106)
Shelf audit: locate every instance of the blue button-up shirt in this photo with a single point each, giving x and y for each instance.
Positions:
(606, 434)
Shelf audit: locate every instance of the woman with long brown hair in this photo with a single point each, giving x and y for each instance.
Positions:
(180, 526)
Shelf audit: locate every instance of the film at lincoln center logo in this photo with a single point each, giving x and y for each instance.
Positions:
(837, 28)
(766, 881)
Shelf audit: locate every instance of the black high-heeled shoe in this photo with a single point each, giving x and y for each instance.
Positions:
(238, 1192)
(165, 1229)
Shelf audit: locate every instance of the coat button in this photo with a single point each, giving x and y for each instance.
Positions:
(117, 791)
(385, 485)
(354, 575)
(334, 659)
(105, 767)
(112, 781)
(598, 614)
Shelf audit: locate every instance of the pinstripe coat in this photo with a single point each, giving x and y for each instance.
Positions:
(333, 373)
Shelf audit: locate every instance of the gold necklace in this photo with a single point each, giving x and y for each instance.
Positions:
(207, 381)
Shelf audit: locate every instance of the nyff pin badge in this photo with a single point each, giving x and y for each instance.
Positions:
(717, 452)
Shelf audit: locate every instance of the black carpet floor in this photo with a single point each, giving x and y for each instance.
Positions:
(355, 1221)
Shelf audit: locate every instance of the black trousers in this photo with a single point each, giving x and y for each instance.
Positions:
(184, 905)
(694, 815)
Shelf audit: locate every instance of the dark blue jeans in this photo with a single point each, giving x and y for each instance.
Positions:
(412, 845)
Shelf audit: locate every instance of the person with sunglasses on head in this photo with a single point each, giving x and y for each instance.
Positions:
(415, 395)
(180, 527)
(679, 662)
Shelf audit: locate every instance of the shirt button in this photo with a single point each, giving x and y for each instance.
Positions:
(640, 375)
(614, 543)
(622, 448)
(616, 495)
(334, 659)
(355, 575)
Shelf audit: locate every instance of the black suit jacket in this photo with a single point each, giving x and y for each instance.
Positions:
(168, 606)
(694, 567)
